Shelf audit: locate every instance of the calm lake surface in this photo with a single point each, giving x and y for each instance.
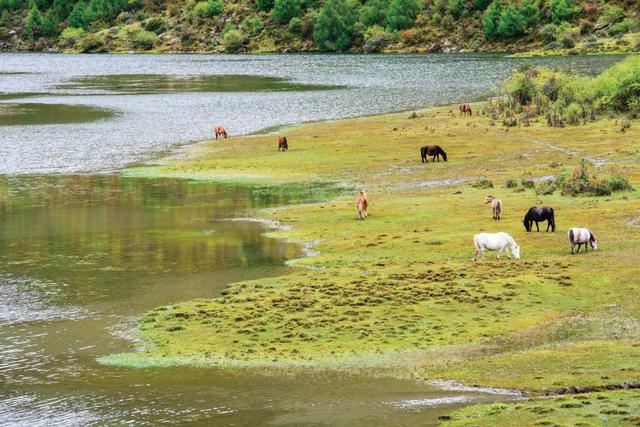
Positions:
(138, 106)
(82, 255)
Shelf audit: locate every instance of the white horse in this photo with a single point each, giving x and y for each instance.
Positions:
(582, 236)
(496, 242)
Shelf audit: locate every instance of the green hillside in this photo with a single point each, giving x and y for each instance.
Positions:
(546, 26)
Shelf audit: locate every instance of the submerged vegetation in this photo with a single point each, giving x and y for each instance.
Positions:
(310, 25)
(399, 290)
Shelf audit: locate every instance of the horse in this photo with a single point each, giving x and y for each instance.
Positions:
(495, 241)
(464, 109)
(433, 151)
(582, 236)
(220, 131)
(362, 204)
(496, 205)
(536, 214)
(283, 144)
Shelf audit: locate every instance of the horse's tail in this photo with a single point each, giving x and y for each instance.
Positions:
(572, 237)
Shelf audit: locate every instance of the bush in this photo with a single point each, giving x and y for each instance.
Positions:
(527, 182)
(584, 180)
(568, 40)
(374, 12)
(611, 13)
(233, 40)
(376, 39)
(547, 187)
(264, 5)
(284, 10)
(144, 39)
(208, 9)
(626, 26)
(511, 23)
(252, 26)
(155, 25)
(511, 183)
(335, 26)
(483, 183)
(491, 20)
(70, 35)
(295, 25)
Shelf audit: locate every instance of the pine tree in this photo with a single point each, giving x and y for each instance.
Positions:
(402, 14)
(335, 25)
(491, 20)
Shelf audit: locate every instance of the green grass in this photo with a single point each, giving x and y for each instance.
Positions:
(400, 290)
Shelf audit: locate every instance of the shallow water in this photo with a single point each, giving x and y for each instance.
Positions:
(174, 99)
(82, 256)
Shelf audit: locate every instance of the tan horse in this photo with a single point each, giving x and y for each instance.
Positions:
(283, 143)
(464, 109)
(496, 205)
(362, 204)
(220, 131)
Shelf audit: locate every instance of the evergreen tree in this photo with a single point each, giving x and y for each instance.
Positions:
(561, 10)
(32, 25)
(512, 23)
(456, 7)
(76, 18)
(264, 5)
(491, 20)
(481, 4)
(335, 25)
(374, 12)
(284, 10)
(530, 12)
(402, 14)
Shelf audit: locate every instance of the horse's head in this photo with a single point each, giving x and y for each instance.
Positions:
(444, 155)
(488, 199)
(592, 241)
(516, 251)
(526, 224)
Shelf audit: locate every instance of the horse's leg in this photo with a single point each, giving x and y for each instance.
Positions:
(537, 225)
(572, 245)
(499, 253)
(506, 249)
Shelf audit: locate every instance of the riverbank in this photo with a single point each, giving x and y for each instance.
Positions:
(400, 290)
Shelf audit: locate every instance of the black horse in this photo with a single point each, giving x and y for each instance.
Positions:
(536, 215)
(433, 151)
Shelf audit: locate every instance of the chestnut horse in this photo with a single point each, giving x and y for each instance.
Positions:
(433, 151)
(464, 109)
(220, 131)
(362, 204)
(283, 144)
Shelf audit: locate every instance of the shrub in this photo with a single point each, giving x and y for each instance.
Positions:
(511, 23)
(335, 25)
(144, 39)
(547, 187)
(295, 25)
(626, 26)
(233, 40)
(284, 10)
(483, 183)
(155, 25)
(208, 9)
(611, 13)
(264, 5)
(376, 39)
(530, 12)
(568, 40)
(252, 26)
(511, 183)
(70, 35)
(481, 4)
(584, 180)
(456, 7)
(491, 20)
(527, 182)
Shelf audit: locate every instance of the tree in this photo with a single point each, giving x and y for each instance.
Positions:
(63, 8)
(530, 12)
(511, 23)
(491, 20)
(374, 12)
(32, 25)
(402, 14)
(264, 5)
(76, 18)
(335, 25)
(456, 7)
(284, 10)
(481, 4)
(562, 10)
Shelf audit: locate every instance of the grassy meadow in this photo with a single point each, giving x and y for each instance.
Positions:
(401, 291)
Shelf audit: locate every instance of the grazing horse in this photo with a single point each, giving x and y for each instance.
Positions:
(433, 151)
(495, 242)
(536, 215)
(283, 143)
(464, 109)
(220, 131)
(496, 205)
(362, 204)
(582, 236)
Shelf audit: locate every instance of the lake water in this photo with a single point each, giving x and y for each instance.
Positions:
(139, 106)
(82, 255)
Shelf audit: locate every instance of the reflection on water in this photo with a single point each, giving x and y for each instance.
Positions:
(159, 83)
(50, 114)
(82, 256)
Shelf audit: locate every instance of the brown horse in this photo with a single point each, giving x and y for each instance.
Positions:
(283, 144)
(220, 131)
(433, 151)
(362, 204)
(464, 109)
(496, 205)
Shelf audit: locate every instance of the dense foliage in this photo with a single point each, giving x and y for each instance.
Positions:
(564, 98)
(327, 25)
